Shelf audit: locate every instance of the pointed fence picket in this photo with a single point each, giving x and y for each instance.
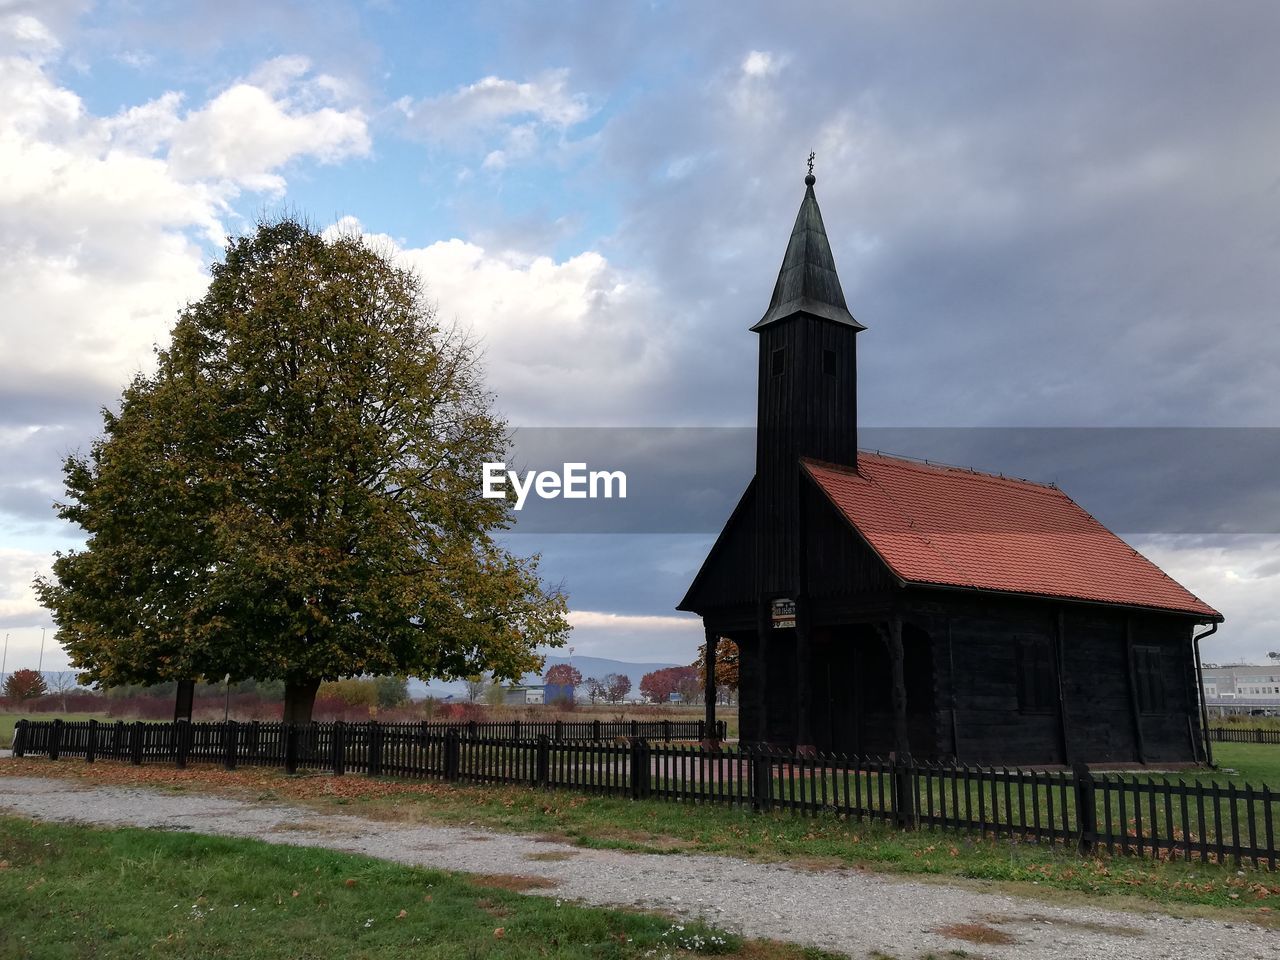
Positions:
(1120, 814)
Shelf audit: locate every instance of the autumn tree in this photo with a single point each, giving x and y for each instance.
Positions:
(616, 686)
(727, 665)
(659, 685)
(564, 675)
(294, 493)
(24, 685)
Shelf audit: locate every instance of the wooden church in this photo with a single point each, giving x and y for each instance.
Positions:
(883, 605)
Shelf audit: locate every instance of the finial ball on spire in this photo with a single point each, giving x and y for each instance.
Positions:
(810, 179)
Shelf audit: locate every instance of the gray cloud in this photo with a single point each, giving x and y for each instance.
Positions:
(1047, 215)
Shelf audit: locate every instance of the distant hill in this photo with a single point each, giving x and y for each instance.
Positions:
(587, 666)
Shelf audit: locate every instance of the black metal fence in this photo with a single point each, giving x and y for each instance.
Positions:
(1146, 816)
(1243, 735)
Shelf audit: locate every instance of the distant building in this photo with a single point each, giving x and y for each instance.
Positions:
(1242, 688)
(520, 695)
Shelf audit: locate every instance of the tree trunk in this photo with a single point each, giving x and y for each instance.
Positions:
(300, 699)
(184, 700)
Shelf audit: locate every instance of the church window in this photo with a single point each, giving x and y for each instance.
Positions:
(829, 362)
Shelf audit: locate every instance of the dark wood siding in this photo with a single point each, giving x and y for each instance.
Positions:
(837, 561)
(1169, 725)
(803, 412)
(727, 577)
(1100, 726)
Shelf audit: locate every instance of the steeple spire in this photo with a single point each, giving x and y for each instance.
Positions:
(807, 282)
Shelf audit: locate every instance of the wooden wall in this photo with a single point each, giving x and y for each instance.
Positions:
(802, 412)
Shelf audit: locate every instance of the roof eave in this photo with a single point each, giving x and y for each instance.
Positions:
(813, 308)
(1201, 616)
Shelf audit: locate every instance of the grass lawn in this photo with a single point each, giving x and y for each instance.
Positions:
(81, 892)
(1254, 763)
(664, 827)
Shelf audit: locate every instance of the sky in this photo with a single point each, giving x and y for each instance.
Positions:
(1047, 216)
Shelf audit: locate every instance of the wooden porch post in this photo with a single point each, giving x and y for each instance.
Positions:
(804, 685)
(901, 738)
(709, 732)
(762, 686)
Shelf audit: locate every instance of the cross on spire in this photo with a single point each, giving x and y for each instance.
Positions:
(811, 156)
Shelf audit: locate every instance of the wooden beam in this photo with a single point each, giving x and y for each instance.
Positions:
(892, 634)
(764, 625)
(951, 690)
(804, 688)
(1135, 708)
(713, 640)
(1059, 669)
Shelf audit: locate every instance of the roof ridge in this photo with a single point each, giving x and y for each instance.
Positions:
(924, 463)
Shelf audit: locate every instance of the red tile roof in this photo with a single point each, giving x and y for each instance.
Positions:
(947, 526)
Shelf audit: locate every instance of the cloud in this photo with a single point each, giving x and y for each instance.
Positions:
(18, 604)
(101, 217)
(761, 63)
(569, 341)
(1237, 574)
(669, 638)
(506, 119)
(596, 619)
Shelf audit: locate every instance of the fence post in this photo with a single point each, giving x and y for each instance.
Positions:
(559, 730)
(904, 794)
(595, 729)
(135, 743)
(255, 740)
(641, 769)
(55, 740)
(517, 726)
(91, 745)
(20, 739)
(761, 780)
(290, 748)
(666, 730)
(544, 760)
(1086, 809)
(702, 731)
(452, 753)
(375, 748)
(339, 748)
(230, 743)
(473, 729)
(635, 729)
(182, 733)
(1257, 735)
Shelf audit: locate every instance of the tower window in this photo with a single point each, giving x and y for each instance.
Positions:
(777, 361)
(829, 362)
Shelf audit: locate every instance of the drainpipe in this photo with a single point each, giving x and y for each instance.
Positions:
(1204, 710)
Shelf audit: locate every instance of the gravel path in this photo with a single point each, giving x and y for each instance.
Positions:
(850, 911)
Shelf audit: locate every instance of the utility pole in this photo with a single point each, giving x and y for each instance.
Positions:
(4, 661)
(40, 665)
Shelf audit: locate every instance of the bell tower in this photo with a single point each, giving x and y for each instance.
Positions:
(808, 404)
